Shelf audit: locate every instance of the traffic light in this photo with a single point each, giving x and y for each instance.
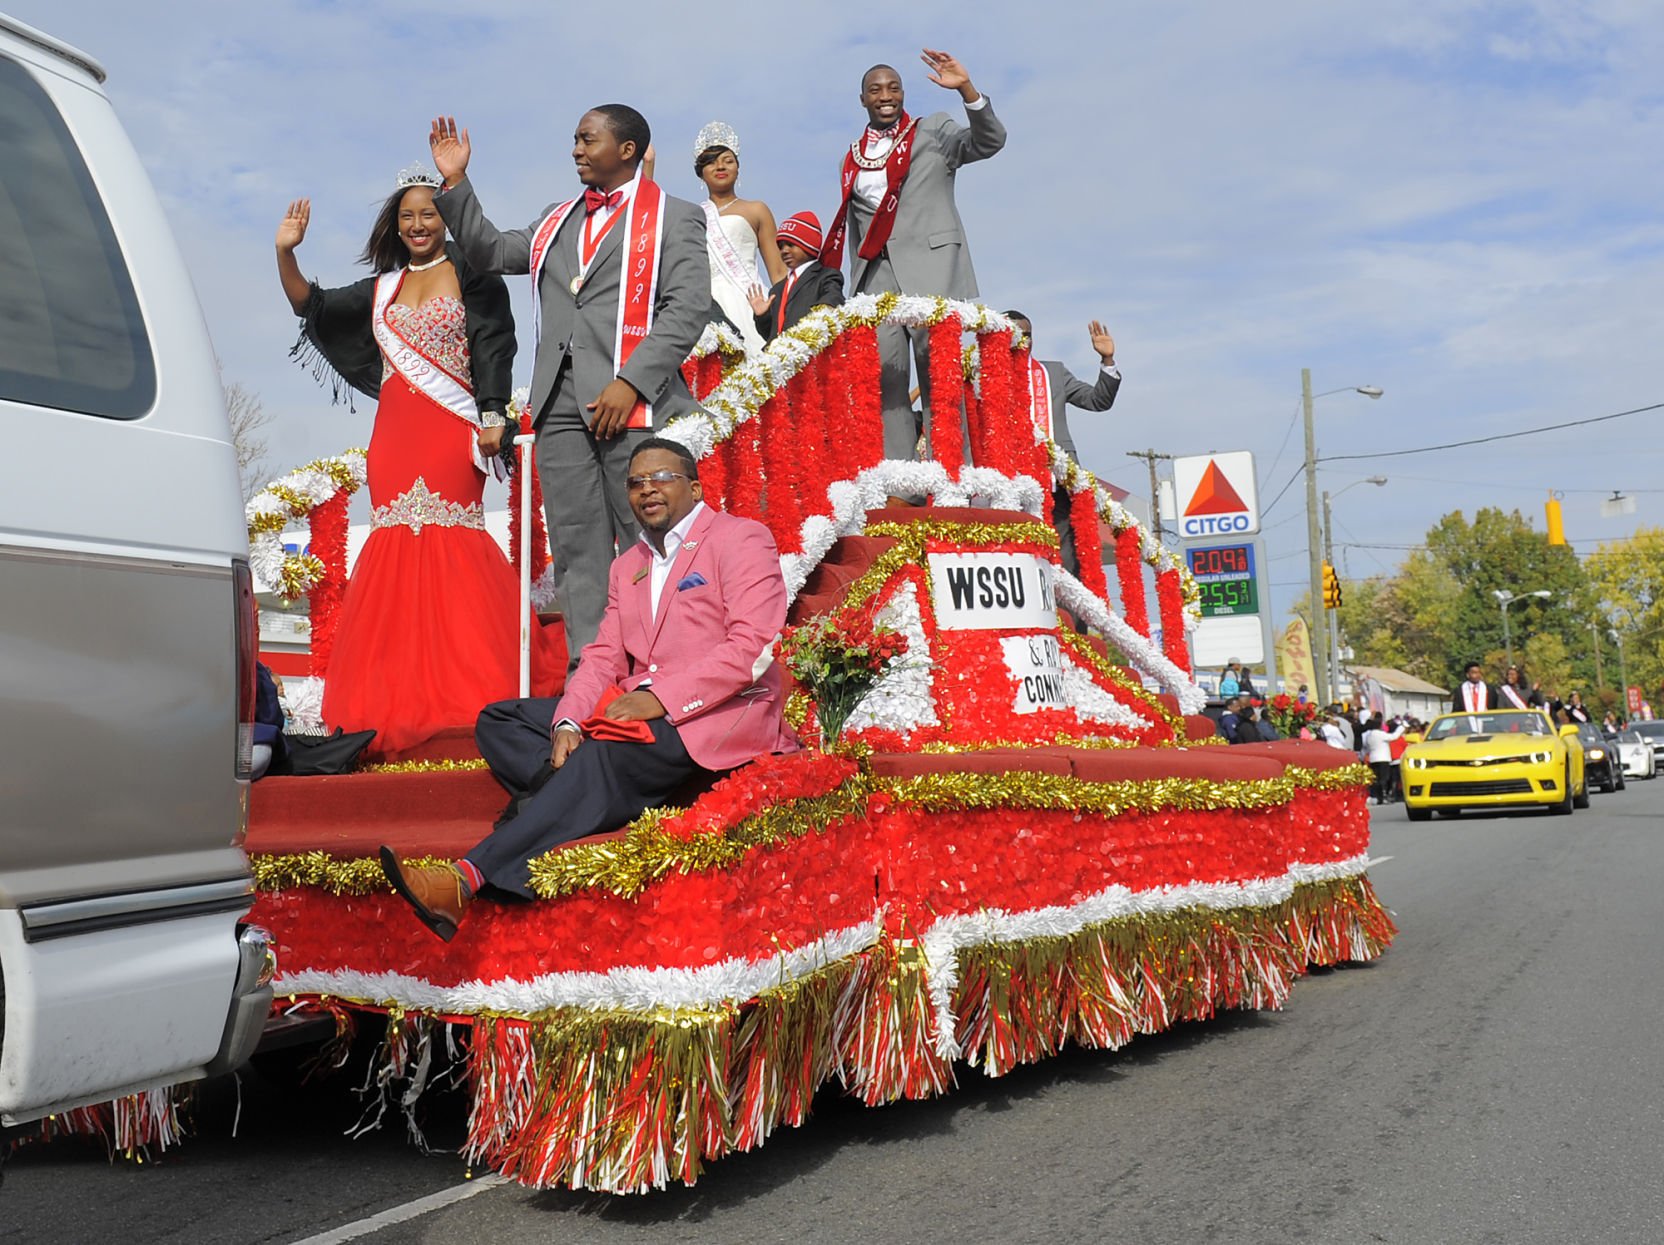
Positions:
(1331, 588)
(1556, 524)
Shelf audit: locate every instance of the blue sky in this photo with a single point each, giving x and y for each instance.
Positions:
(1455, 202)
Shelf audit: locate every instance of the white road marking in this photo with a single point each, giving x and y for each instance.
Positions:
(410, 1210)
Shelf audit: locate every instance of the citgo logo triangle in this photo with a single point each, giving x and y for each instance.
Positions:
(1214, 495)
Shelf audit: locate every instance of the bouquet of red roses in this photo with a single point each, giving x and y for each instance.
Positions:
(837, 658)
(1288, 715)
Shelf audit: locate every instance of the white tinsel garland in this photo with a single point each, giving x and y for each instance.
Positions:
(287, 500)
(638, 989)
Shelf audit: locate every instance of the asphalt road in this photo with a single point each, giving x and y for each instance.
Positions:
(1495, 1078)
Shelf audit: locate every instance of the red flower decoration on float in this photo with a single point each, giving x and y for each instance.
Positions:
(540, 528)
(1170, 597)
(947, 381)
(1089, 543)
(327, 527)
(1129, 571)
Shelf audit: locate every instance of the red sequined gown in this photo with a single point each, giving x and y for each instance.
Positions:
(428, 632)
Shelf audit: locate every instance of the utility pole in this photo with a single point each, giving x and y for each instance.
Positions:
(1320, 653)
(1600, 679)
(1623, 677)
(1152, 458)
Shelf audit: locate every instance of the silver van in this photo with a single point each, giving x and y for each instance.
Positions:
(127, 625)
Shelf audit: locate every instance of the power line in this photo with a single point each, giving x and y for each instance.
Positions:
(1523, 488)
(1501, 436)
(1287, 432)
(1298, 472)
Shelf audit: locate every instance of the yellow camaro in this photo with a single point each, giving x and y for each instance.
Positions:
(1502, 759)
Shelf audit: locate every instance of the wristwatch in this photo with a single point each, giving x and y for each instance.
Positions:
(493, 419)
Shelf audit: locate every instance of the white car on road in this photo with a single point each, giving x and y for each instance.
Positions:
(1637, 752)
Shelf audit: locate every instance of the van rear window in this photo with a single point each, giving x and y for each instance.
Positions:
(71, 336)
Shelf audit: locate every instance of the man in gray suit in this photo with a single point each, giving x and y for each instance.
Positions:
(1062, 390)
(601, 382)
(901, 221)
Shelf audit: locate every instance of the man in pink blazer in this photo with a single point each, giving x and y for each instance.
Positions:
(685, 649)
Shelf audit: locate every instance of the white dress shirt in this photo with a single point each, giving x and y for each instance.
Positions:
(870, 184)
(661, 563)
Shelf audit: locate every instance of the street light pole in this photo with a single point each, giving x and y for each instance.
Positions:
(1320, 656)
(1332, 624)
(1623, 676)
(1331, 618)
(1505, 598)
(1320, 652)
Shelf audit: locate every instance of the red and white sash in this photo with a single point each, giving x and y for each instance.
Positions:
(728, 261)
(426, 375)
(638, 277)
(1473, 696)
(1040, 398)
(896, 164)
(1512, 694)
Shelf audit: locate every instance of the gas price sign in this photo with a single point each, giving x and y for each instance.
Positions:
(1225, 575)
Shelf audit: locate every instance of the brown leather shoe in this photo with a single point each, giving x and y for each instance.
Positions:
(438, 895)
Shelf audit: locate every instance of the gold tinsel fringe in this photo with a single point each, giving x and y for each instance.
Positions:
(357, 876)
(629, 865)
(426, 767)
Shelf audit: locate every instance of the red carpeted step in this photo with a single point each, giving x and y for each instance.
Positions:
(346, 815)
(1050, 760)
(454, 743)
(1307, 754)
(1140, 764)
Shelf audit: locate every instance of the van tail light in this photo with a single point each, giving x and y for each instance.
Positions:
(248, 643)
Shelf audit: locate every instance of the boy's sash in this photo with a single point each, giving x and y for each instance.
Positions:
(1040, 398)
(638, 277)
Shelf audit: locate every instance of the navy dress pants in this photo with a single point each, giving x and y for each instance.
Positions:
(603, 786)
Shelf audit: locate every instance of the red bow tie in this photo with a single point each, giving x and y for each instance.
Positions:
(595, 200)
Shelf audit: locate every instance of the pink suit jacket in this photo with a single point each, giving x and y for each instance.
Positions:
(708, 656)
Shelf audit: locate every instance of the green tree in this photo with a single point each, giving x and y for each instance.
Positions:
(1366, 625)
(1499, 551)
(1627, 578)
(1546, 662)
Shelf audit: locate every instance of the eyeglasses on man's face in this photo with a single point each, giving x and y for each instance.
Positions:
(637, 483)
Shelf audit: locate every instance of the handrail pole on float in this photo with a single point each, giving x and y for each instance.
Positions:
(523, 442)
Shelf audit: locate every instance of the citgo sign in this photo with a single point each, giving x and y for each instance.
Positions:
(1218, 495)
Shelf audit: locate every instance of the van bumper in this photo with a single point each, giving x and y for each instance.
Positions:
(251, 1001)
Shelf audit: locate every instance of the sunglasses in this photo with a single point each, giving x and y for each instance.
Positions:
(637, 483)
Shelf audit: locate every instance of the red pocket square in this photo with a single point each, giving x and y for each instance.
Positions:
(602, 727)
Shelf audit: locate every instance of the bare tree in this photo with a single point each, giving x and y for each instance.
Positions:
(249, 418)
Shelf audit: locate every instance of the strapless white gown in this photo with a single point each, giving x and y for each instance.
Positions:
(729, 297)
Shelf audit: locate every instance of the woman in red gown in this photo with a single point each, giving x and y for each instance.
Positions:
(428, 631)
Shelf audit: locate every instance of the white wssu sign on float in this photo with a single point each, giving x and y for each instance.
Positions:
(993, 592)
(1036, 665)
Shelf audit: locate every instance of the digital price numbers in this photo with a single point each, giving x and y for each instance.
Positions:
(1225, 575)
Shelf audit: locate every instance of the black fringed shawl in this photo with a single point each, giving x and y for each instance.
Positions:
(336, 342)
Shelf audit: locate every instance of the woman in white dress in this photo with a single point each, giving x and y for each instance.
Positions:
(737, 230)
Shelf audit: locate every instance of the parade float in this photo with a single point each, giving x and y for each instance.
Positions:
(1007, 834)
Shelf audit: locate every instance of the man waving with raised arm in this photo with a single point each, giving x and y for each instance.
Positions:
(623, 290)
